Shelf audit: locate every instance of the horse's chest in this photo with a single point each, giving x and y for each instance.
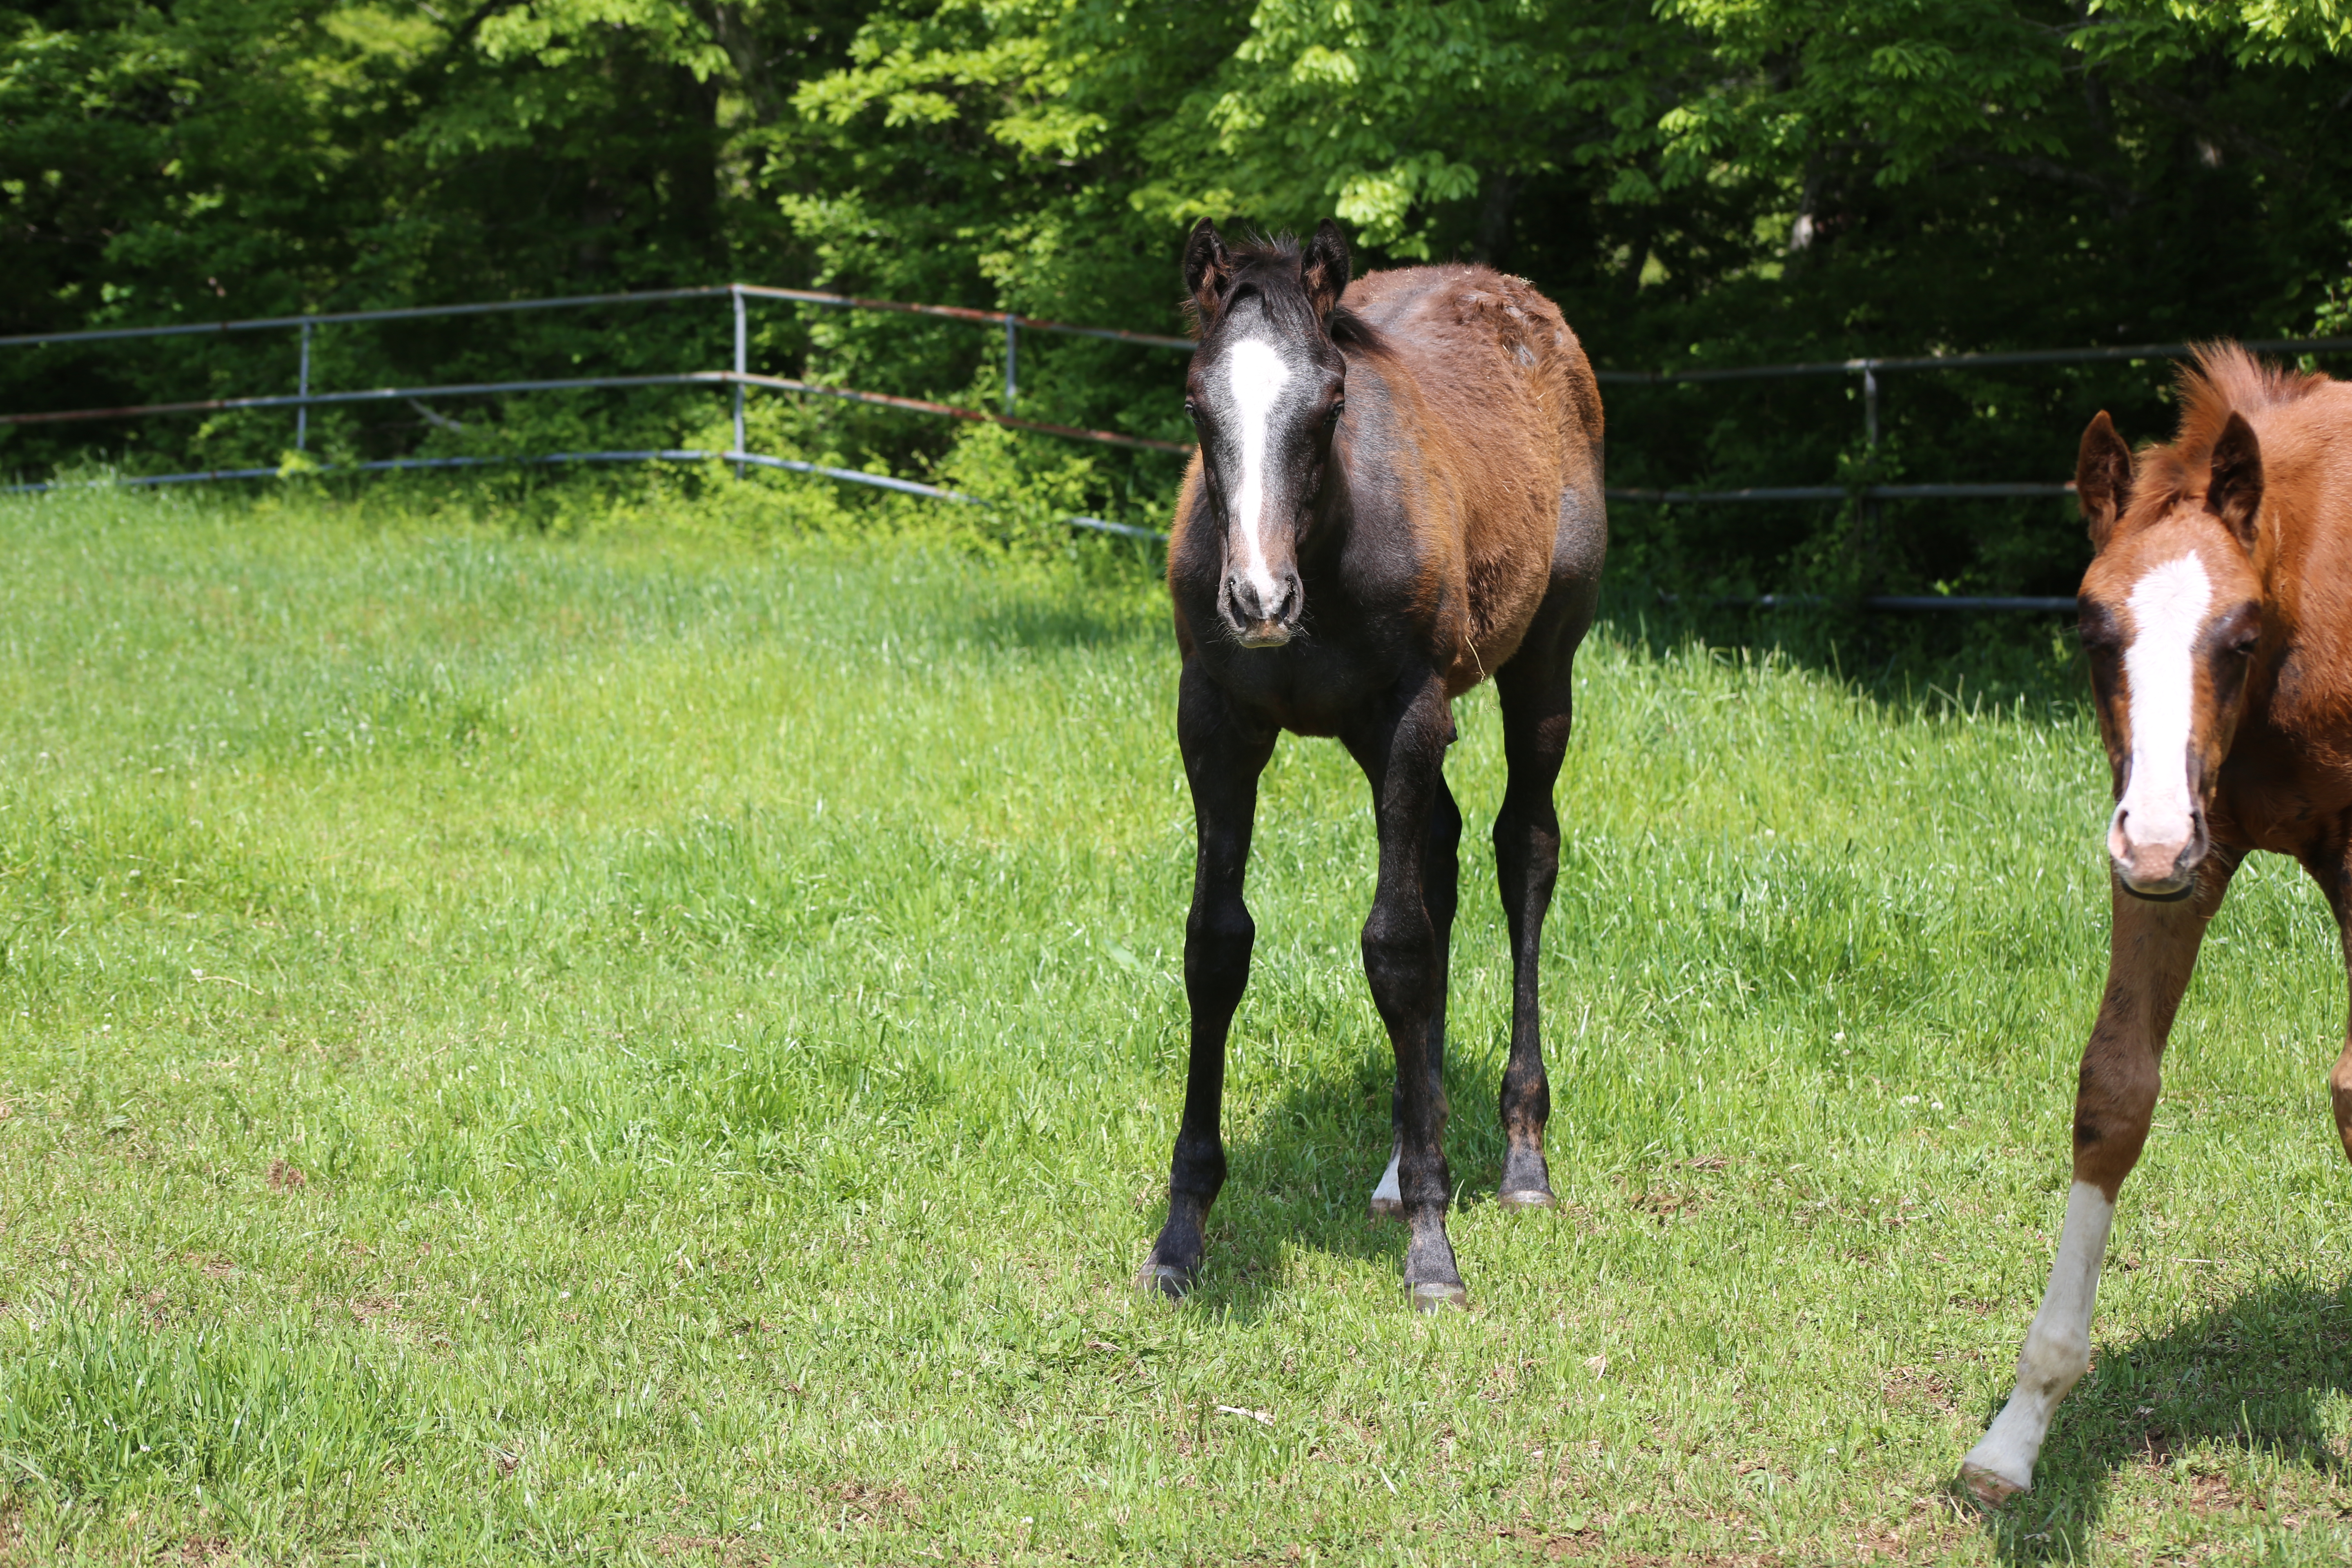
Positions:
(1307, 690)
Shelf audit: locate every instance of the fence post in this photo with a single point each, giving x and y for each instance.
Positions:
(302, 389)
(1865, 529)
(1010, 352)
(736, 289)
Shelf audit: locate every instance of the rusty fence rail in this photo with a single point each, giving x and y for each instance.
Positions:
(741, 378)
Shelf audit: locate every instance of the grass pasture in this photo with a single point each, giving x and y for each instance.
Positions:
(664, 1050)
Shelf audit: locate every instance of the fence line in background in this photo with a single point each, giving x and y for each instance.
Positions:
(306, 400)
(663, 454)
(742, 377)
(575, 301)
(1967, 361)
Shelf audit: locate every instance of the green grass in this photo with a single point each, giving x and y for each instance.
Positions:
(664, 1049)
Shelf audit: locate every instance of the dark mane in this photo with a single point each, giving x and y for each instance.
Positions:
(1268, 265)
(2225, 380)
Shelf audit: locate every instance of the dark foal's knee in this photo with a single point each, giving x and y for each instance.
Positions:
(1399, 949)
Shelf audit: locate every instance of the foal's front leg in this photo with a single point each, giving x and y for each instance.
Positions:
(2150, 954)
(1224, 750)
(1404, 753)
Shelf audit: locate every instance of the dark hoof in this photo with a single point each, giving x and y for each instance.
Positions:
(1387, 1208)
(1428, 1299)
(1163, 1280)
(1989, 1492)
(1534, 1198)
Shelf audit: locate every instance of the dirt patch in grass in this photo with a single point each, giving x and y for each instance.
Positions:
(1664, 1204)
(1553, 1543)
(867, 1506)
(1914, 1386)
(730, 1551)
(2207, 1492)
(287, 1178)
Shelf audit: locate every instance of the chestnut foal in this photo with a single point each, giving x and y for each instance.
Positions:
(2219, 636)
(1398, 494)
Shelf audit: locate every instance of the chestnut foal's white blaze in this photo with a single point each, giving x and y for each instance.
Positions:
(2157, 816)
(2057, 1348)
(1255, 376)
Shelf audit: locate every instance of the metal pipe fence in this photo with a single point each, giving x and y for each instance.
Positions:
(741, 378)
(737, 380)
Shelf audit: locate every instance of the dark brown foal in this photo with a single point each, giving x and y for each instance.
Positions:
(1397, 493)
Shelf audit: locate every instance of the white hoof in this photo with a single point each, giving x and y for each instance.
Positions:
(1991, 1488)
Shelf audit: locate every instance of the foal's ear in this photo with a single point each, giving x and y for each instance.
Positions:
(2234, 492)
(1324, 268)
(2103, 477)
(1208, 271)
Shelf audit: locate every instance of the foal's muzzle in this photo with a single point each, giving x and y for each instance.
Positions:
(1260, 617)
(2159, 865)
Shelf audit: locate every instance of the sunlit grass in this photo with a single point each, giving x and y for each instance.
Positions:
(658, 1048)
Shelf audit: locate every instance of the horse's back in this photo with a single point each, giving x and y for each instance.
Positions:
(1470, 331)
(2306, 446)
(1510, 440)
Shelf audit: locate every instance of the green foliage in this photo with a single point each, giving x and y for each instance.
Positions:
(1704, 182)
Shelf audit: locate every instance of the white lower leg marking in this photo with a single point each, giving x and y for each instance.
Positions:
(2057, 1348)
(1255, 375)
(2167, 609)
(1387, 1191)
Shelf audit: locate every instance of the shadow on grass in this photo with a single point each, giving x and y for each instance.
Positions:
(1093, 602)
(1963, 659)
(1056, 620)
(2253, 1375)
(1300, 1177)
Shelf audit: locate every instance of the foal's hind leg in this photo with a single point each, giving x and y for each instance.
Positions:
(1536, 688)
(2150, 955)
(2332, 869)
(1403, 752)
(1441, 875)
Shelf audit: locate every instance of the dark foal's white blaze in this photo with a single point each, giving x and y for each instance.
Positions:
(1254, 377)
(2157, 816)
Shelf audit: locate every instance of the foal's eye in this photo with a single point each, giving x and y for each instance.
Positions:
(1338, 407)
(1191, 412)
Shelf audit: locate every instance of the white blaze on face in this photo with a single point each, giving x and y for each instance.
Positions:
(1255, 375)
(2167, 609)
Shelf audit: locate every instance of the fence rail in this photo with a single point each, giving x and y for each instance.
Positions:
(579, 302)
(582, 383)
(741, 378)
(1995, 359)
